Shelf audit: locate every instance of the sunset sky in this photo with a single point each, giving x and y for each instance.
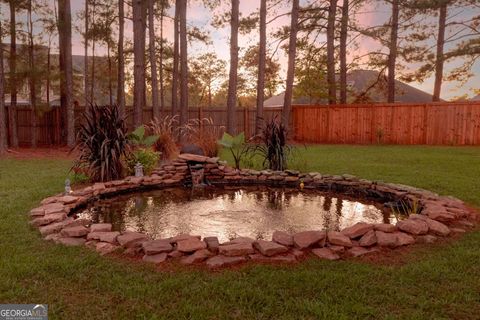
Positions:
(201, 17)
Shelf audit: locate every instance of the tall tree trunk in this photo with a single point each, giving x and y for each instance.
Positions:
(85, 58)
(292, 51)
(65, 29)
(92, 81)
(52, 134)
(343, 52)
(121, 62)
(153, 60)
(12, 110)
(392, 57)
(139, 61)
(232, 80)
(183, 64)
(32, 77)
(162, 93)
(176, 51)
(110, 86)
(262, 52)
(3, 120)
(442, 20)
(332, 91)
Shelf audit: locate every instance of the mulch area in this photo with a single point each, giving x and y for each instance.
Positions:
(40, 153)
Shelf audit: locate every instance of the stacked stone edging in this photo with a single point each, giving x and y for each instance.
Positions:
(440, 217)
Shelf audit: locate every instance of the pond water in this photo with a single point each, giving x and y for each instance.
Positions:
(227, 213)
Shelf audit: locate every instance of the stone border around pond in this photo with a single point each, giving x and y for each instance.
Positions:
(440, 217)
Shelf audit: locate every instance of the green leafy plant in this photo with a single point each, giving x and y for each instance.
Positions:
(148, 158)
(101, 143)
(165, 130)
(273, 146)
(236, 145)
(138, 138)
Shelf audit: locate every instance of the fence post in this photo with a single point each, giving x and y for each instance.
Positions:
(245, 122)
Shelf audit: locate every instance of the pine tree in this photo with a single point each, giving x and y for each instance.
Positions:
(233, 75)
(292, 50)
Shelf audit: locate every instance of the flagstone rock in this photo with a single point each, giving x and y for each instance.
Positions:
(110, 237)
(357, 230)
(236, 249)
(325, 253)
(197, 256)
(283, 238)
(192, 157)
(284, 258)
(156, 258)
(101, 227)
(385, 227)
(368, 239)
(357, 252)
(132, 239)
(156, 246)
(175, 254)
(212, 244)
(181, 237)
(223, 261)
(54, 208)
(413, 226)
(339, 239)
(105, 248)
(51, 228)
(306, 239)
(269, 248)
(68, 199)
(190, 245)
(72, 242)
(337, 249)
(404, 239)
(37, 212)
(442, 216)
(78, 231)
(385, 239)
(104, 236)
(49, 218)
(437, 228)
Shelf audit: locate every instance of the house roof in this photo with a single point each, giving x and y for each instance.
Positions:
(359, 81)
(476, 98)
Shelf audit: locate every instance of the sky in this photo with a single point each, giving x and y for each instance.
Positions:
(201, 17)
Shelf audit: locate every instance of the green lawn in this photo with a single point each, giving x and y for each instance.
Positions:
(442, 282)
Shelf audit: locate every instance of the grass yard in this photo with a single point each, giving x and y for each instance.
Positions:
(442, 282)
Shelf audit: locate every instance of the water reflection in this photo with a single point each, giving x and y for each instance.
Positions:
(226, 213)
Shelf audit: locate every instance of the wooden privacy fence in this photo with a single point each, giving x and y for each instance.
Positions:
(431, 124)
(51, 131)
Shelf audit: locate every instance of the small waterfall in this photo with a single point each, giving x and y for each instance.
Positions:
(197, 174)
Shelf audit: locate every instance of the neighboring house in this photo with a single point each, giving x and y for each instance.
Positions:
(364, 86)
(101, 92)
(477, 98)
